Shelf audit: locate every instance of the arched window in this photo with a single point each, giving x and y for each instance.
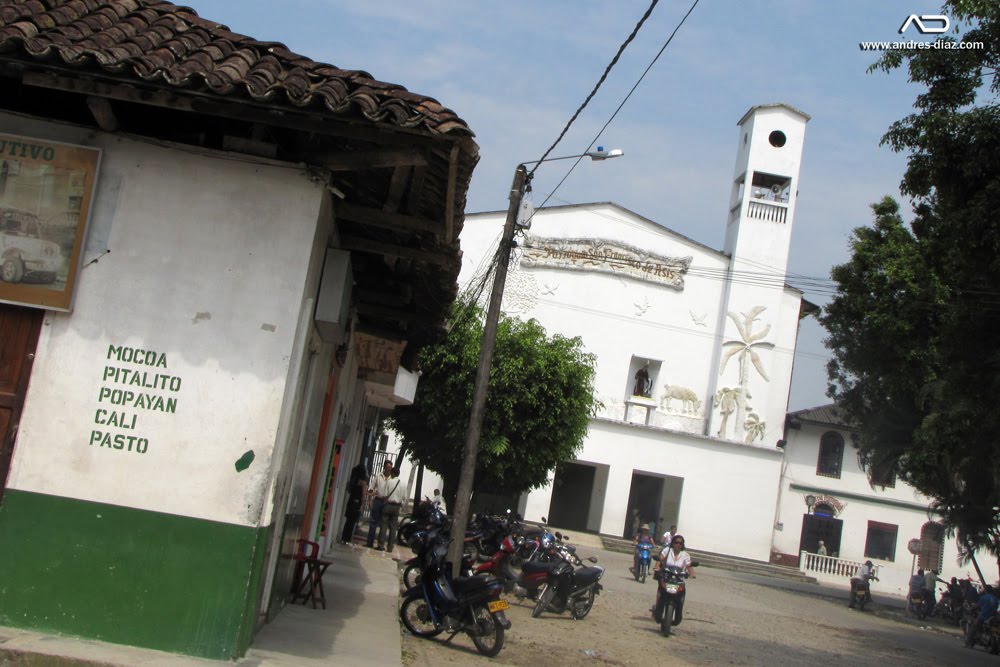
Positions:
(932, 546)
(824, 509)
(831, 455)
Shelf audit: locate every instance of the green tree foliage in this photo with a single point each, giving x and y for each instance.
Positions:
(915, 327)
(541, 397)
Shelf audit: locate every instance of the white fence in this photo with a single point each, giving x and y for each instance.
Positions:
(829, 569)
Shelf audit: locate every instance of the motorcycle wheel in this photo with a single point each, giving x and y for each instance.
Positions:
(862, 602)
(416, 617)
(579, 610)
(543, 601)
(921, 611)
(486, 632)
(471, 551)
(411, 576)
(642, 570)
(667, 622)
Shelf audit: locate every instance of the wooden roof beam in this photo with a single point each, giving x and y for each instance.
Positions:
(391, 250)
(388, 158)
(379, 218)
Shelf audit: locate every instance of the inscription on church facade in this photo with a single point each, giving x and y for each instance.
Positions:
(603, 256)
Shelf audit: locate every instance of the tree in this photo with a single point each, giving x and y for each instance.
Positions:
(915, 326)
(541, 397)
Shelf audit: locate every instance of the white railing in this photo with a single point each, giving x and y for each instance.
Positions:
(828, 566)
(766, 211)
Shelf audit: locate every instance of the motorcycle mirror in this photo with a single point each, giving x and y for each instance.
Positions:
(694, 563)
(558, 535)
(593, 559)
(544, 520)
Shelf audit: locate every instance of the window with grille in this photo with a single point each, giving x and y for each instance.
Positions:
(931, 546)
(881, 541)
(831, 455)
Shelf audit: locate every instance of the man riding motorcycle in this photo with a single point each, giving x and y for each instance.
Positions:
(862, 576)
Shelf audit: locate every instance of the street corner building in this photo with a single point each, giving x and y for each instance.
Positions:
(694, 350)
(218, 260)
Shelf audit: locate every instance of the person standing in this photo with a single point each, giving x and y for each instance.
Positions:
(394, 498)
(821, 551)
(357, 489)
(438, 501)
(669, 536)
(635, 523)
(379, 492)
(931, 580)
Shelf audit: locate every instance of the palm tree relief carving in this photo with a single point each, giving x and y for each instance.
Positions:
(746, 348)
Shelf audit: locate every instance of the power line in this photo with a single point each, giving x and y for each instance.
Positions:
(626, 99)
(604, 76)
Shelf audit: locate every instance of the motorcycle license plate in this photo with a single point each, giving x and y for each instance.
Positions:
(671, 588)
(498, 605)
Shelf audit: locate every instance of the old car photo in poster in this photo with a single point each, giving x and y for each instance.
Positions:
(46, 189)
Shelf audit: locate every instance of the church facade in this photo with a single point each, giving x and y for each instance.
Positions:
(694, 350)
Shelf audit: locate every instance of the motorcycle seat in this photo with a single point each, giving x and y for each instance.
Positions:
(474, 583)
(531, 566)
(587, 575)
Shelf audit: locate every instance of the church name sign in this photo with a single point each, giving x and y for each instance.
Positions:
(604, 256)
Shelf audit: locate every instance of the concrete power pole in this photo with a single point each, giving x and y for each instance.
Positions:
(460, 517)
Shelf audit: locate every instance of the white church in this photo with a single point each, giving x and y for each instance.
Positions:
(694, 352)
(694, 349)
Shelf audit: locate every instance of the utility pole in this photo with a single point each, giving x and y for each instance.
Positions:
(460, 517)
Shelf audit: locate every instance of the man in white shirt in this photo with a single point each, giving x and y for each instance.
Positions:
(394, 493)
(669, 535)
(379, 491)
(438, 500)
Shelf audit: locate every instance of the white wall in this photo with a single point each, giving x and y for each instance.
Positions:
(210, 278)
(908, 510)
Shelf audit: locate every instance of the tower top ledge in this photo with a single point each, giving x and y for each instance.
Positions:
(775, 105)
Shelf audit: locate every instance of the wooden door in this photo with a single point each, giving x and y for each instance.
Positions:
(19, 329)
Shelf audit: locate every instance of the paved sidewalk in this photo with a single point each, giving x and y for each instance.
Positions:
(359, 627)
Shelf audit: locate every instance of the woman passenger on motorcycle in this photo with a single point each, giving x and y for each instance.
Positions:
(642, 538)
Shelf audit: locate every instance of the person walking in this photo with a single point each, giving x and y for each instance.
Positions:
(378, 493)
(394, 498)
(931, 580)
(357, 489)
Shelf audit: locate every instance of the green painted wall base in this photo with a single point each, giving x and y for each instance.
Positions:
(128, 576)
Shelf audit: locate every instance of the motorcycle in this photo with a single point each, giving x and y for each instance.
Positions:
(442, 604)
(568, 585)
(644, 550)
(670, 593)
(988, 634)
(916, 604)
(949, 608)
(861, 593)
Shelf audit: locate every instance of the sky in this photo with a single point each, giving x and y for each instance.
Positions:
(517, 70)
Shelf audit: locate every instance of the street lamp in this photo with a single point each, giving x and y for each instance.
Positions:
(461, 514)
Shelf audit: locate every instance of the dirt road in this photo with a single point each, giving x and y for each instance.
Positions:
(730, 619)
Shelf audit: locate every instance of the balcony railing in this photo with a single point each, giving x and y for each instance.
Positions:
(768, 211)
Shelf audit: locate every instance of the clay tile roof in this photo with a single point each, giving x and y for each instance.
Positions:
(166, 44)
(825, 414)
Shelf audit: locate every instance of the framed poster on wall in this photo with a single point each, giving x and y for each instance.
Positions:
(46, 192)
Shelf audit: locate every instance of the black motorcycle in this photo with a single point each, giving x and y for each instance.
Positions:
(442, 604)
(670, 593)
(568, 585)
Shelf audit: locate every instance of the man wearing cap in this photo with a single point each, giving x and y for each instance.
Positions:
(394, 494)
(860, 580)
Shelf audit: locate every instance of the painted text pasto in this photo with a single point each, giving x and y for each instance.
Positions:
(134, 381)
